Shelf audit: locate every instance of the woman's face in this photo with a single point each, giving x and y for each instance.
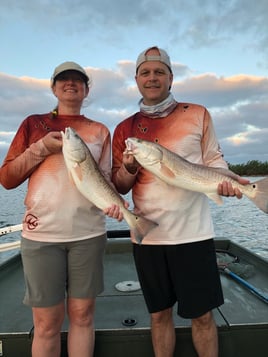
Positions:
(70, 86)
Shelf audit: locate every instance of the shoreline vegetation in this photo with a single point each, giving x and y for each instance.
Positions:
(251, 168)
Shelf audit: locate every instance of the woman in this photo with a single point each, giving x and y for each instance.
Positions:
(63, 237)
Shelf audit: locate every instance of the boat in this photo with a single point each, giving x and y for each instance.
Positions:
(122, 322)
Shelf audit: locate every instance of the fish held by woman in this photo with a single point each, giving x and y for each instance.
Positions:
(177, 171)
(92, 184)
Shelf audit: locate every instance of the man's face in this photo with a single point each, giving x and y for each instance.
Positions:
(153, 80)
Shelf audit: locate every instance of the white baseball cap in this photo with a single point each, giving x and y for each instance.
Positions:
(69, 66)
(162, 57)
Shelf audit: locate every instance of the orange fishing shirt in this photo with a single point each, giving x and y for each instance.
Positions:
(183, 216)
(55, 210)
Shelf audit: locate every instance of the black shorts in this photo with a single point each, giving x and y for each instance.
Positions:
(183, 273)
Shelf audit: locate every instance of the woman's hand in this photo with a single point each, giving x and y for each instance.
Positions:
(53, 142)
(114, 211)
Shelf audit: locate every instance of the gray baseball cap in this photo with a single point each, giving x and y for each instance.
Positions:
(162, 57)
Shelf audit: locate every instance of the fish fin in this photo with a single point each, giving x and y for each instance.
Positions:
(261, 194)
(166, 171)
(225, 172)
(137, 236)
(142, 227)
(215, 197)
(71, 178)
(78, 172)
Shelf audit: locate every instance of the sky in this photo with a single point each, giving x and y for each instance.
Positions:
(218, 50)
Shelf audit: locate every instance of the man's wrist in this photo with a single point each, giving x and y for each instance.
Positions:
(131, 169)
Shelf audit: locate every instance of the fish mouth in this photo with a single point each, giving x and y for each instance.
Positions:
(64, 135)
(67, 133)
(130, 146)
(73, 146)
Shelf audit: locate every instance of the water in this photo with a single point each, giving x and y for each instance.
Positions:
(238, 220)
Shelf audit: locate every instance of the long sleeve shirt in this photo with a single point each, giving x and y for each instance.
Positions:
(183, 216)
(55, 210)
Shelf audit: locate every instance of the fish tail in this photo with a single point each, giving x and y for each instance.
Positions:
(137, 235)
(260, 198)
(142, 227)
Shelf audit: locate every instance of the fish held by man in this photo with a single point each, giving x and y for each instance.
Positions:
(92, 184)
(177, 171)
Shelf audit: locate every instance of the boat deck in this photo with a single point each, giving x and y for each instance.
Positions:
(122, 321)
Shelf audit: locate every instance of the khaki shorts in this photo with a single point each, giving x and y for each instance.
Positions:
(54, 270)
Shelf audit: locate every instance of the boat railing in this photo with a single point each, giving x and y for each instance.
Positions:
(122, 233)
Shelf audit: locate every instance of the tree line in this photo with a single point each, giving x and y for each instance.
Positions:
(251, 168)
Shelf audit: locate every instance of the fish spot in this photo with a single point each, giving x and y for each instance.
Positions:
(185, 107)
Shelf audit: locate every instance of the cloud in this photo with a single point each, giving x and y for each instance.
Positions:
(243, 132)
(173, 21)
(220, 43)
(216, 91)
(238, 104)
(22, 96)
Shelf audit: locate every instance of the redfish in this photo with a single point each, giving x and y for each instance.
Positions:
(176, 171)
(92, 184)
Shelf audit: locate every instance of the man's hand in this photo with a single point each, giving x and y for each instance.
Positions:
(130, 163)
(226, 189)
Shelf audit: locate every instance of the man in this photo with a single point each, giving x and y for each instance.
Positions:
(176, 262)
